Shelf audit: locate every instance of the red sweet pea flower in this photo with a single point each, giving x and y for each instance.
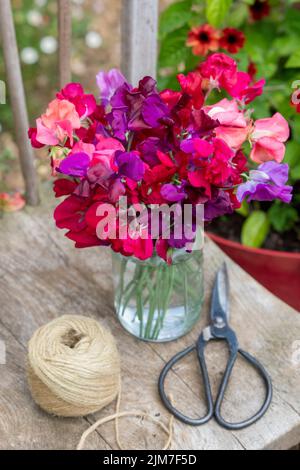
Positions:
(252, 70)
(232, 40)
(220, 70)
(32, 131)
(70, 214)
(64, 187)
(259, 9)
(203, 39)
(191, 86)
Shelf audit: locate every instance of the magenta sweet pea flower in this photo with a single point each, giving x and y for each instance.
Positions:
(244, 90)
(108, 83)
(266, 184)
(173, 193)
(75, 164)
(85, 104)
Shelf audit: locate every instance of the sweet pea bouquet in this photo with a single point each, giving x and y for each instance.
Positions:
(160, 147)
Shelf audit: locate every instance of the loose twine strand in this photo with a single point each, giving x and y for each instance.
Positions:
(74, 370)
(120, 414)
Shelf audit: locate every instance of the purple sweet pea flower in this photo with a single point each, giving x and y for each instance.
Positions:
(108, 82)
(75, 164)
(136, 109)
(173, 193)
(219, 205)
(130, 165)
(148, 148)
(266, 184)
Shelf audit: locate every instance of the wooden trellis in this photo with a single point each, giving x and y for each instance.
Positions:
(138, 58)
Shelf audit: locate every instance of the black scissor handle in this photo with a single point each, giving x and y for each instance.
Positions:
(165, 399)
(268, 398)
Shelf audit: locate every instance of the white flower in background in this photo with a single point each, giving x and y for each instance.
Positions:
(34, 18)
(48, 44)
(29, 55)
(78, 2)
(40, 3)
(93, 40)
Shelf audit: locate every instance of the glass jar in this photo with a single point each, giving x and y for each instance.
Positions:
(155, 301)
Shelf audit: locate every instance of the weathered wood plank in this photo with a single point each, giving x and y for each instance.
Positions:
(43, 276)
(64, 41)
(139, 39)
(18, 103)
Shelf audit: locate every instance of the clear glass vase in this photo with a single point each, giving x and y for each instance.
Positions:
(155, 301)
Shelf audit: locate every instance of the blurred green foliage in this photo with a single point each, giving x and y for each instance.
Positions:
(272, 43)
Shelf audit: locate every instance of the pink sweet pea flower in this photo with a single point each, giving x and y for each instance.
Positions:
(233, 136)
(81, 146)
(234, 128)
(106, 148)
(268, 136)
(59, 121)
(11, 203)
(227, 113)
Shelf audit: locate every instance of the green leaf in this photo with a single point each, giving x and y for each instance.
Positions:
(244, 209)
(237, 16)
(292, 153)
(295, 173)
(173, 49)
(282, 217)
(294, 60)
(255, 229)
(174, 17)
(216, 10)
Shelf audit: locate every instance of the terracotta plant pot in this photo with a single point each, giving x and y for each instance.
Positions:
(278, 271)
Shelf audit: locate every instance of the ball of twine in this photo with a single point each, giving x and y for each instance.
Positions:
(73, 366)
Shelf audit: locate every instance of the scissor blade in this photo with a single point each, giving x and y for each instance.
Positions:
(220, 295)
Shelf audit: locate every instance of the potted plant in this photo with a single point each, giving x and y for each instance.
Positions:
(263, 37)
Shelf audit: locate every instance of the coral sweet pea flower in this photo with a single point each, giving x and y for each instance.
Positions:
(268, 136)
(59, 121)
(11, 203)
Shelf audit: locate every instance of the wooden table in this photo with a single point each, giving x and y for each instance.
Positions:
(43, 276)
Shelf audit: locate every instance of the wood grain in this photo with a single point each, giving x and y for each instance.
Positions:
(64, 41)
(139, 20)
(18, 103)
(43, 276)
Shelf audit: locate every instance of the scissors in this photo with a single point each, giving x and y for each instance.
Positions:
(217, 330)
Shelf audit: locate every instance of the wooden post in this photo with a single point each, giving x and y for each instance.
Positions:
(64, 41)
(139, 39)
(18, 103)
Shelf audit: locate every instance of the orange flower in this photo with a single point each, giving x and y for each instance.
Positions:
(202, 39)
(11, 203)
